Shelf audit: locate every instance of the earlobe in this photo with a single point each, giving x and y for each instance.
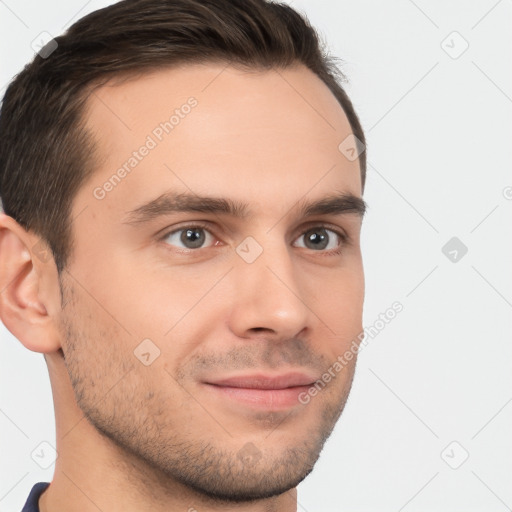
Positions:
(22, 308)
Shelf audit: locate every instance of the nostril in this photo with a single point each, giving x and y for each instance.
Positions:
(258, 329)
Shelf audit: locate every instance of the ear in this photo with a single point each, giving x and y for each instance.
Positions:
(29, 291)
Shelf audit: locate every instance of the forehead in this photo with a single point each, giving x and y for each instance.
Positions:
(212, 128)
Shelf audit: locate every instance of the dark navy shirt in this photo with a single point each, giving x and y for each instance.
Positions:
(32, 504)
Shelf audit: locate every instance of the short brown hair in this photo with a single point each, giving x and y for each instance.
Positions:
(45, 151)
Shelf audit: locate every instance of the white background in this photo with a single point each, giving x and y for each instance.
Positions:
(440, 152)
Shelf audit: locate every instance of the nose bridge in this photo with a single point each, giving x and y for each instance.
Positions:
(268, 291)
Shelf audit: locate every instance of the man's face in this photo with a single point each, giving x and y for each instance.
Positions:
(228, 306)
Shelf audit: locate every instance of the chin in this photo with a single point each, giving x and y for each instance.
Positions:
(249, 488)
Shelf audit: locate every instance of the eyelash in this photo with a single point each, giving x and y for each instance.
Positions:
(333, 252)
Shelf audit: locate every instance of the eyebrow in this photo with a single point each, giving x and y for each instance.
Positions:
(169, 203)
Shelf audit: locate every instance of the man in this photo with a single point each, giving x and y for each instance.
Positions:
(182, 184)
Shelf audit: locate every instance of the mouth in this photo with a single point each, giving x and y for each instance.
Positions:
(263, 391)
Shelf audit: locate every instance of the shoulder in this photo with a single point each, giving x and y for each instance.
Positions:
(32, 504)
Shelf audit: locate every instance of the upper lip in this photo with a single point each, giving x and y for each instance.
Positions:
(265, 381)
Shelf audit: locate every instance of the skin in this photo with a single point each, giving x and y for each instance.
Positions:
(133, 437)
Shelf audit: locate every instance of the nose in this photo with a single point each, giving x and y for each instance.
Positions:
(268, 296)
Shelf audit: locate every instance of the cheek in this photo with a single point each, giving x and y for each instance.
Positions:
(156, 298)
(98, 352)
(175, 308)
(338, 300)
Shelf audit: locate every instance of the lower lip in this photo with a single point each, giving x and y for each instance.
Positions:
(269, 399)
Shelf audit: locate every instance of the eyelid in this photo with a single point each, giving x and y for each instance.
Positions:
(304, 228)
(323, 224)
(191, 224)
(344, 238)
